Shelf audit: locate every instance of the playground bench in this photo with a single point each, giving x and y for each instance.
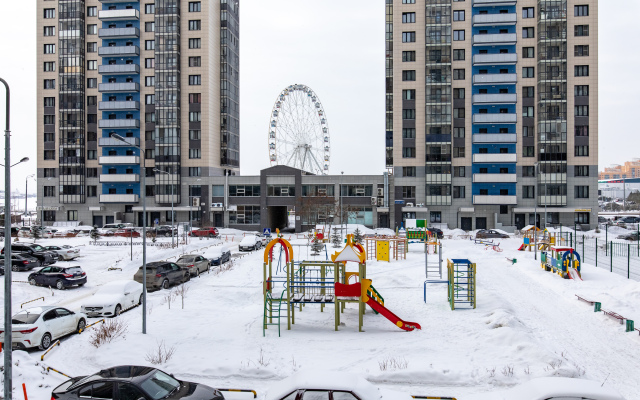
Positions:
(615, 316)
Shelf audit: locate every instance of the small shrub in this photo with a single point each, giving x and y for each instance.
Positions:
(160, 354)
(393, 364)
(107, 332)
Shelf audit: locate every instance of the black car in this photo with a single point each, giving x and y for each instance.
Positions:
(14, 231)
(221, 258)
(491, 234)
(436, 231)
(133, 383)
(166, 230)
(58, 277)
(34, 250)
(21, 262)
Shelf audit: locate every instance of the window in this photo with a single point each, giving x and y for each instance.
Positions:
(49, 12)
(528, 192)
(408, 18)
(49, 66)
(409, 75)
(150, 8)
(458, 74)
(92, 191)
(49, 120)
(458, 93)
(195, 171)
(581, 30)
(149, 99)
(92, 29)
(581, 90)
(581, 170)
(194, 153)
(581, 11)
(528, 92)
(409, 94)
(194, 6)
(92, 155)
(194, 98)
(582, 111)
(92, 172)
(458, 192)
(93, 118)
(92, 83)
(459, 172)
(149, 44)
(581, 51)
(149, 26)
(408, 37)
(195, 116)
(49, 83)
(527, 111)
(408, 133)
(528, 151)
(150, 154)
(245, 215)
(458, 15)
(408, 192)
(582, 130)
(49, 172)
(408, 171)
(528, 12)
(458, 113)
(195, 80)
(528, 52)
(49, 191)
(458, 132)
(435, 217)
(149, 81)
(194, 25)
(194, 61)
(49, 154)
(528, 72)
(581, 70)
(194, 43)
(408, 56)
(49, 101)
(408, 152)
(49, 49)
(458, 35)
(458, 55)
(92, 11)
(92, 47)
(149, 62)
(408, 1)
(458, 152)
(194, 134)
(49, 137)
(528, 33)
(529, 171)
(409, 113)
(582, 217)
(49, 31)
(581, 192)
(582, 151)
(92, 65)
(244, 191)
(150, 117)
(527, 131)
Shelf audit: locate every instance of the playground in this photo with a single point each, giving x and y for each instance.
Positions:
(524, 322)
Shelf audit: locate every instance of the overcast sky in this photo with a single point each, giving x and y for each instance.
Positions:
(336, 47)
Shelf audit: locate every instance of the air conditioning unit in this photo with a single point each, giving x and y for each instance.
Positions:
(380, 201)
(216, 205)
(380, 192)
(374, 201)
(409, 204)
(420, 205)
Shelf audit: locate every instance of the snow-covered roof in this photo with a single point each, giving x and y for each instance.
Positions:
(348, 254)
(324, 381)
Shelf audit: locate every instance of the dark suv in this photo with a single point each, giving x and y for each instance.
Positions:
(34, 250)
(166, 230)
(162, 274)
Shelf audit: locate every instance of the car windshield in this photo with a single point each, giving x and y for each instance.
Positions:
(159, 385)
(73, 270)
(25, 317)
(186, 259)
(37, 247)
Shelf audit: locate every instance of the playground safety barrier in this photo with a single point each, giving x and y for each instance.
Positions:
(90, 325)
(57, 343)
(598, 307)
(61, 373)
(31, 301)
(255, 394)
(429, 397)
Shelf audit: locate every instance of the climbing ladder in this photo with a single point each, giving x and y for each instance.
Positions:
(273, 310)
(433, 268)
(462, 282)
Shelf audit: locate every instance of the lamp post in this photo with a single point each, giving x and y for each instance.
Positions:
(143, 190)
(535, 218)
(156, 170)
(26, 192)
(341, 210)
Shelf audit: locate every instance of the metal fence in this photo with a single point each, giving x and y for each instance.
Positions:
(621, 258)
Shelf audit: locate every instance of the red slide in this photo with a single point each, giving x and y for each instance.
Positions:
(521, 247)
(405, 325)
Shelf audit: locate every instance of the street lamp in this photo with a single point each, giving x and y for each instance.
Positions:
(341, 210)
(143, 190)
(156, 170)
(25, 159)
(535, 217)
(26, 192)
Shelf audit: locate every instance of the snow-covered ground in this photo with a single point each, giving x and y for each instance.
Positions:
(528, 323)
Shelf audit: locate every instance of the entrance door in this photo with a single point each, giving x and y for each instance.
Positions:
(481, 223)
(217, 219)
(520, 221)
(97, 221)
(108, 219)
(154, 216)
(466, 223)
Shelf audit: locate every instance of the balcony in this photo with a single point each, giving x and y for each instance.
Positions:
(119, 123)
(119, 69)
(119, 178)
(128, 160)
(495, 118)
(437, 178)
(118, 15)
(498, 158)
(121, 87)
(119, 106)
(495, 59)
(69, 34)
(552, 178)
(119, 51)
(495, 79)
(495, 39)
(495, 19)
(552, 200)
(497, 98)
(490, 3)
(490, 200)
(495, 178)
(112, 142)
(119, 198)
(495, 138)
(119, 33)
(437, 201)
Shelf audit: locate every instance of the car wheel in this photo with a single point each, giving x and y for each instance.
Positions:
(14, 268)
(140, 300)
(167, 234)
(80, 284)
(81, 325)
(187, 278)
(117, 311)
(32, 282)
(59, 285)
(210, 236)
(165, 284)
(45, 342)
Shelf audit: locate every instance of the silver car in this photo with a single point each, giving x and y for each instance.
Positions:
(195, 264)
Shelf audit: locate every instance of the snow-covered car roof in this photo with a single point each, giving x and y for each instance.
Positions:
(325, 381)
(551, 388)
(249, 239)
(114, 287)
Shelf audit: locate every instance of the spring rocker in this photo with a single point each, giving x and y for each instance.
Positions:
(564, 261)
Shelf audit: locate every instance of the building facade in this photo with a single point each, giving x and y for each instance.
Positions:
(630, 169)
(492, 108)
(127, 88)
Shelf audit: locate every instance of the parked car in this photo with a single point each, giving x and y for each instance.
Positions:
(21, 262)
(554, 389)
(41, 326)
(628, 220)
(249, 243)
(491, 234)
(629, 236)
(435, 231)
(194, 264)
(58, 277)
(34, 250)
(162, 274)
(166, 230)
(219, 256)
(208, 232)
(116, 226)
(133, 383)
(127, 232)
(113, 298)
(14, 231)
(338, 385)
(65, 252)
(264, 239)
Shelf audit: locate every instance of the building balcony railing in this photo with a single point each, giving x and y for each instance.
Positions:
(497, 98)
(69, 34)
(118, 33)
(119, 198)
(495, 178)
(119, 123)
(438, 158)
(118, 1)
(112, 142)
(552, 35)
(552, 96)
(495, 19)
(495, 138)
(71, 160)
(495, 158)
(495, 39)
(438, 60)
(495, 79)
(495, 118)
(552, 200)
(488, 199)
(119, 106)
(437, 79)
(119, 178)
(119, 69)
(168, 10)
(121, 87)
(553, 76)
(437, 200)
(552, 178)
(119, 51)
(119, 15)
(129, 160)
(485, 3)
(438, 98)
(495, 59)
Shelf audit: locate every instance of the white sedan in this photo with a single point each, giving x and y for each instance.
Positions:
(41, 326)
(113, 298)
(249, 243)
(65, 252)
(554, 389)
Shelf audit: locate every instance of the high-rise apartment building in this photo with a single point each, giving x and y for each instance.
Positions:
(492, 108)
(164, 76)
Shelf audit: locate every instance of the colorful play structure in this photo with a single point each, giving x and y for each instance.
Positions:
(386, 248)
(533, 235)
(320, 282)
(564, 261)
(462, 283)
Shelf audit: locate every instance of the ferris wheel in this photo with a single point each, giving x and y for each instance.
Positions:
(298, 131)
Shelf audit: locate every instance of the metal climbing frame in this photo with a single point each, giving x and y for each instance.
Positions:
(462, 283)
(433, 269)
